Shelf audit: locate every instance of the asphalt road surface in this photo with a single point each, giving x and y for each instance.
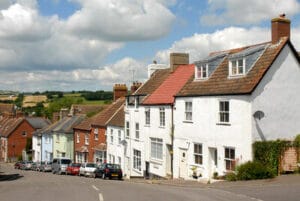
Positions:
(18, 185)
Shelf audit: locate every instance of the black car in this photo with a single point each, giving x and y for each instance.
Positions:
(109, 170)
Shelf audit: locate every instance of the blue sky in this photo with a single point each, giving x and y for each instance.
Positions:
(92, 44)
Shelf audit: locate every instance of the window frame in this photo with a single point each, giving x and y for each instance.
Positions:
(147, 116)
(86, 139)
(229, 160)
(198, 155)
(223, 113)
(156, 148)
(127, 129)
(137, 130)
(190, 111)
(96, 134)
(202, 71)
(119, 136)
(111, 136)
(77, 137)
(234, 70)
(137, 160)
(162, 117)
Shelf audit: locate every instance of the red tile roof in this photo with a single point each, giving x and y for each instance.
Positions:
(8, 125)
(220, 84)
(164, 94)
(118, 119)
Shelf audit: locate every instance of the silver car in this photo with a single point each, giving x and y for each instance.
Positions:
(59, 165)
(87, 169)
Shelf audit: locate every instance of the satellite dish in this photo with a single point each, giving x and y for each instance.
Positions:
(258, 114)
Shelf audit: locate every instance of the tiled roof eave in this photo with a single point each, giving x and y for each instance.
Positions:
(216, 94)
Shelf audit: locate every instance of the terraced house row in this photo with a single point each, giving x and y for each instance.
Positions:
(189, 120)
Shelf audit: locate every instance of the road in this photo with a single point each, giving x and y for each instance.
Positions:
(32, 186)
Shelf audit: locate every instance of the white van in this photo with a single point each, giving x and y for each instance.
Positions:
(59, 165)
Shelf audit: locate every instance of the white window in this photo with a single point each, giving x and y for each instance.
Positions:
(237, 67)
(111, 136)
(162, 121)
(202, 71)
(224, 112)
(137, 160)
(230, 158)
(127, 129)
(188, 111)
(198, 157)
(119, 160)
(147, 116)
(47, 139)
(137, 130)
(119, 137)
(77, 137)
(86, 139)
(156, 148)
(96, 134)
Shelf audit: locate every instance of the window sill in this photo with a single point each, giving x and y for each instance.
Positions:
(223, 124)
(136, 110)
(187, 121)
(163, 127)
(200, 79)
(137, 140)
(137, 171)
(156, 161)
(147, 125)
(236, 76)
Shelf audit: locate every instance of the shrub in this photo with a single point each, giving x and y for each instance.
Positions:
(254, 170)
(230, 176)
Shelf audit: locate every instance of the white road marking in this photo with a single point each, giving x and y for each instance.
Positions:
(97, 189)
(100, 197)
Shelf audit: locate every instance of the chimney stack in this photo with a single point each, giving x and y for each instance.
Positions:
(135, 86)
(120, 90)
(177, 59)
(280, 28)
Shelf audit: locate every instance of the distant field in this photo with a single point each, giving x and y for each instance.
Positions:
(72, 95)
(99, 102)
(8, 97)
(31, 101)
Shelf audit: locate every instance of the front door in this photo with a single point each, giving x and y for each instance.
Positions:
(213, 161)
(182, 163)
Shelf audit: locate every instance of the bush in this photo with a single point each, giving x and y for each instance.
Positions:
(254, 170)
(230, 176)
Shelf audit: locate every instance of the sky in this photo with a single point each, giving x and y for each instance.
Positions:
(70, 45)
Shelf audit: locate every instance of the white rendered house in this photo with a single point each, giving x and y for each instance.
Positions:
(236, 98)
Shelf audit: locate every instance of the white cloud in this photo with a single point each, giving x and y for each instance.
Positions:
(200, 45)
(222, 12)
(89, 79)
(121, 20)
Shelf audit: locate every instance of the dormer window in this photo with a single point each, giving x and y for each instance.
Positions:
(202, 71)
(237, 67)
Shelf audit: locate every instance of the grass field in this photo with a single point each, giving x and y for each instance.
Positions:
(31, 101)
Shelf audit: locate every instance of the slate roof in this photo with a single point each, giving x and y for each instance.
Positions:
(219, 83)
(102, 118)
(154, 82)
(66, 124)
(164, 94)
(48, 129)
(8, 125)
(118, 119)
(38, 122)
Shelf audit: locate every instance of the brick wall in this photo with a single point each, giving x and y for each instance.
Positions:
(17, 141)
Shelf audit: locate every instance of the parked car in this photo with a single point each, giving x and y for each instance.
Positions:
(109, 170)
(26, 165)
(87, 169)
(33, 166)
(46, 166)
(73, 169)
(18, 164)
(59, 165)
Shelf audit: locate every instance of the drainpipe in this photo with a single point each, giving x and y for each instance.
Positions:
(172, 138)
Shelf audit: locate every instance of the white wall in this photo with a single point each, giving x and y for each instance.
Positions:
(278, 96)
(36, 146)
(115, 148)
(204, 129)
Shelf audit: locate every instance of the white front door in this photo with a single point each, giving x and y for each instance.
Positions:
(182, 163)
(213, 161)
